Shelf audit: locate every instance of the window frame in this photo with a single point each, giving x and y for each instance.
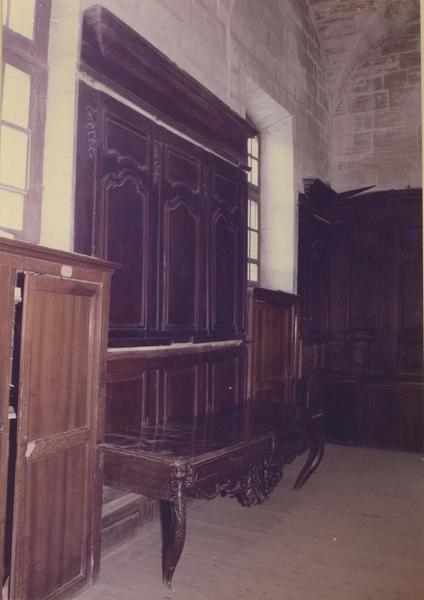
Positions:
(254, 195)
(30, 56)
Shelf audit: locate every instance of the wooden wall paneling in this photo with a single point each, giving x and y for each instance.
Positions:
(182, 230)
(375, 358)
(57, 433)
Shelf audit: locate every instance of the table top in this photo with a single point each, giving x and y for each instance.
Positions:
(197, 435)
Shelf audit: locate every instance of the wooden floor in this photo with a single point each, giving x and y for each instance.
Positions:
(354, 532)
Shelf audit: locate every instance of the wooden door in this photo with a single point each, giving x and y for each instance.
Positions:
(182, 229)
(54, 503)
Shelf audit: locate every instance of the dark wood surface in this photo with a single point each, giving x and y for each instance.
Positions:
(48, 468)
(360, 274)
(238, 452)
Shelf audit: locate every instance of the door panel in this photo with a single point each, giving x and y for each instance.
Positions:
(55, 478)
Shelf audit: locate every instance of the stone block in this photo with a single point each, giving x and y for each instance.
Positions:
(395, 80)
(362, 142)
(399, 139)
(377, 83)
(399, 97)
(362, 86)
(414, 77)
(406, 43)
(380, 100)
(362, 121)
(409, 59)
(387, 118)
(362, 103)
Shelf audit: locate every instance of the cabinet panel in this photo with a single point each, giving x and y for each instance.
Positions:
(273, 344)
(56, 523)
(224, 379)
(60, 314)
(181, 392)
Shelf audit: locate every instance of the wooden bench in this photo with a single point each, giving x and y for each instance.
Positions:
(239, 453)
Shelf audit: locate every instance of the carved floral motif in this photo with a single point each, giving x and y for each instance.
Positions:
(91, 133)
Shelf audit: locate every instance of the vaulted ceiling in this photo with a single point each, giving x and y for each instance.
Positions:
(348, 29)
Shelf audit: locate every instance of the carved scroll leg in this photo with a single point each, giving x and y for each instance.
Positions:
(316, 452)
(174, 530)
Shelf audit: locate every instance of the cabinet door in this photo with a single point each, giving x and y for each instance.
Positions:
(54, 505)
(227, 249)
(115, 207)
(182, 215)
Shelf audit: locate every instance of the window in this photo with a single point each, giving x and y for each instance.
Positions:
(24, 81)
(253, 213)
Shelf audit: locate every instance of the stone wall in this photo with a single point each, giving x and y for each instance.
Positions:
(376, 127)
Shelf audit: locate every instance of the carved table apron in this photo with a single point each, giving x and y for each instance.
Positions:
(239, 452)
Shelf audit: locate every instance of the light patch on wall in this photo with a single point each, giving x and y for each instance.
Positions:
(13, 157)
(16, 91)
(11, 209)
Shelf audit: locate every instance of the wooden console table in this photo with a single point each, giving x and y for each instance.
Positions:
(239, 453)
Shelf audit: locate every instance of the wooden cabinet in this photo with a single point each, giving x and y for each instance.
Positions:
(272, 342)
(372, 369)
(170, 206)
(173, 215)
(48, 465)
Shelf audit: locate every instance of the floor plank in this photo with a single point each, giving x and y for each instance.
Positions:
(354, 532)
